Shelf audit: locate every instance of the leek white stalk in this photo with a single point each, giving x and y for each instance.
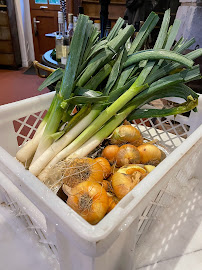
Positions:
(95, 140)
(51, 127)
(37, 166)
(26, 153)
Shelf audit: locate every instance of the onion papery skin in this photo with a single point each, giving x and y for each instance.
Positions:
(110, 152)
(107, 185)
(121, 184)
(113, 200)
(90, 200)
(131, 168)
(127, 154)
(126, 134)
(105, 166)
(126, 178)
(149, 154)
(82, 169)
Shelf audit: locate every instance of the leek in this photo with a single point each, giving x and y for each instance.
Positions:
(125, 80)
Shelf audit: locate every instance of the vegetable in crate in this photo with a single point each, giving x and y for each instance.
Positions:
(126, 134)
(126, 178)
(110, 153)
(127, 154)
(89, 199)
(106, 168)
(73, 172)
(149, 154)
(108, 84)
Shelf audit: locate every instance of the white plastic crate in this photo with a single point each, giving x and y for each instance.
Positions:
(69, 238)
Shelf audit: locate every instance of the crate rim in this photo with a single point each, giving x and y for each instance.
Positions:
(97, 232)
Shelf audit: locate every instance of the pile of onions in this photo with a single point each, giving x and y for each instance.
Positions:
(95, 186)
(88, 194)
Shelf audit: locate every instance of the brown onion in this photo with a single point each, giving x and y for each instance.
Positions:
(149, 154)
(126, 134)
(127, 154)
(110, 153)
(107, 185)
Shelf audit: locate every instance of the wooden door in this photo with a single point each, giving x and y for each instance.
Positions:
(44, 21)
(44, 15)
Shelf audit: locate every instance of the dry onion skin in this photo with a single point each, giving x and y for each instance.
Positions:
(110, 152)
(126, 134)
(127, 154)
(105, 166)
(114, 168)
(131, 168)
(126, 178)
(80, 170)
(107, 185)
(149, 154)
(90, 200)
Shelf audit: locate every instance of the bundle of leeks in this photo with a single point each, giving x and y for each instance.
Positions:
(109, 83)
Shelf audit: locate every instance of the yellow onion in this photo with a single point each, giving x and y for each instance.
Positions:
(82, 169)
(126, 134)
(89, 199)
(126, 178)
(110, 152)
(149, 154)
(127, 154)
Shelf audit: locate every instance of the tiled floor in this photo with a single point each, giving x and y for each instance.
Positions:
(15, 85)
